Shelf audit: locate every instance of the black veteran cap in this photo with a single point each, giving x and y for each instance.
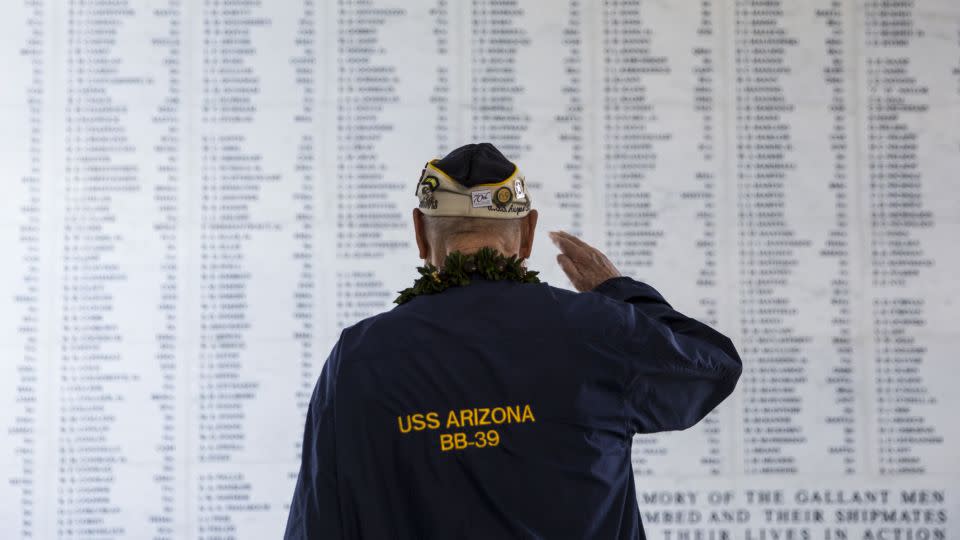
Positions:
(475, 180)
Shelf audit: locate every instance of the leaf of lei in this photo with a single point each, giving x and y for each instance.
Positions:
(456, 269)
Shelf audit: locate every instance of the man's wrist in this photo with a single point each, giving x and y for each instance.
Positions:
(627, 289)
(611, 282)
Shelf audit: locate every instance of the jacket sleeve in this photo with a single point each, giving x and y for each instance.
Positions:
(315, 510)
(677, 369)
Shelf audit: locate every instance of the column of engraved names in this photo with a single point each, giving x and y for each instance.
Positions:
(570, 119)
(704, 72)
(82, 410)
(705, 103)
(167, 35)
(367, 219)
(304, 77)
(119, 249)
(495, 39)
(234, 238)
(628, 155)
(641, 200)
(630, 134)
(20, 390)
(836, 246)
(527, 97)
(440, 93)
(896, 111)
(772, 349)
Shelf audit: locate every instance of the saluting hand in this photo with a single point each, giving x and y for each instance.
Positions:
(585, 265)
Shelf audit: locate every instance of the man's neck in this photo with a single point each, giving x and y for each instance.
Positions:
(467, 247)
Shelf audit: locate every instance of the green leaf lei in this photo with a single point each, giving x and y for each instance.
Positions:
(456, 270)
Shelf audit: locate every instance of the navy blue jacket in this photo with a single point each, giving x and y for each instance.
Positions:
(501, 410)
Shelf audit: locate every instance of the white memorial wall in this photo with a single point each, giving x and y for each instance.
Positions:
(197, 196)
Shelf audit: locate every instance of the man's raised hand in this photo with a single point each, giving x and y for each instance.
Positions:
(585, 265)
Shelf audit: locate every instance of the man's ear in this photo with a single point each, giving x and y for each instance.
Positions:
(420, 231)
(527, 227)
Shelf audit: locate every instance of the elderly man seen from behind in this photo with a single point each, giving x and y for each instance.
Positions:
(488, 404)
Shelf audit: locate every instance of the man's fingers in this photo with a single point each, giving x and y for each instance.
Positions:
(570, 269)
(585, 265)
(572, 238)
(566, 245)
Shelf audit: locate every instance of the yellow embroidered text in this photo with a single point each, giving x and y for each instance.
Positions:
(462, 419)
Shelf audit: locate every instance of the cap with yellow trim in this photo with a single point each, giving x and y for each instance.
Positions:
(475, 180)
